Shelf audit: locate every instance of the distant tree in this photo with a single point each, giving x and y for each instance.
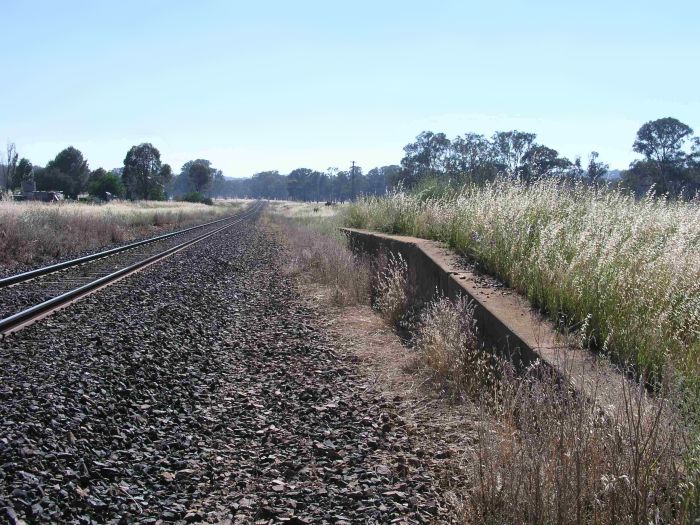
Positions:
(164, 178)
(693, 169)
(596, 170)
(10, 165)
(426, 157)
(576, 171)
(299, 184)
(68, 165)
(357, 181)
(662, 140)
(180, 185)
(665, 162)
(166, 174)
(267, 185)
(341, 186)
(392, 174)
(52, 179)
(103, 184)
(376, 182)
(472, 159)
(541, 161)
(187, 166)
(94, 175)
(201, 174)
(218, 185)
(143, 174)
(379, 180)
(23, 172)
(510, 149)
(331, 176)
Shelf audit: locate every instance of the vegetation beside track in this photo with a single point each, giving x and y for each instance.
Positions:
(33, 233)
(625, 271)
(539, 454)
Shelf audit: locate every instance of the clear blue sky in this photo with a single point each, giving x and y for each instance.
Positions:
(278, 85)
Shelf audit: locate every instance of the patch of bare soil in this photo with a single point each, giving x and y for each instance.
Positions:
(443, 431)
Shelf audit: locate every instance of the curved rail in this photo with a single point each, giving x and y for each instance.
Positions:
(31, 274)
(22, 318)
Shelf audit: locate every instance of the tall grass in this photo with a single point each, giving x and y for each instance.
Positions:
(545, 455)
(318, 254)
(542, 454)
(631, 267)
(33, 232)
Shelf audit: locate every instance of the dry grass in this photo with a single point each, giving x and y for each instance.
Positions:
(555, 459)
(541, 454)
(545, 455)
(34, 232)
(446, 342)
(322, 259)
(631, 268)
(303, 210)
(390, 287)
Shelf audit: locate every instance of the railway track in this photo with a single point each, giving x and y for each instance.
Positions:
(29, 296)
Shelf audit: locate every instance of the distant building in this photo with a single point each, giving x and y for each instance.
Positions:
(29, 193)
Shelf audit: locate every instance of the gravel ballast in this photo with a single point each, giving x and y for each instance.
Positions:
(199, 390)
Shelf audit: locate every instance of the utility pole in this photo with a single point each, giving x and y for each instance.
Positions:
(352, 182)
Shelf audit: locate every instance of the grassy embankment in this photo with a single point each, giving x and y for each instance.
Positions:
(542, 456)
(34, 232)
(628, 271)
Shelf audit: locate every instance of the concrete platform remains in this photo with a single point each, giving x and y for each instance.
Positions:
(506, 321)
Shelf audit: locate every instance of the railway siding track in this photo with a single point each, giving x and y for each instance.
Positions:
(31, 295)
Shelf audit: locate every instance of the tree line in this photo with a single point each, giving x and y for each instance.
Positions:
(142, 176)
(305, 184)
(670, 165)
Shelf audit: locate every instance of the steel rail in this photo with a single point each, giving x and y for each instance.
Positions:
(31, 274)
(9, 323)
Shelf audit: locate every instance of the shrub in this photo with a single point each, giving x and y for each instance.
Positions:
(195, 196)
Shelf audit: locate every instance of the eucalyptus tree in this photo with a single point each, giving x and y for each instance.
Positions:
(144, 175)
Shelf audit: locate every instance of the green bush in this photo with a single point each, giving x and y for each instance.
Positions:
(195, 196)
(107, 183)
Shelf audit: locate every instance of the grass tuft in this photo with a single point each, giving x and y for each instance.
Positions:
(390, 288)
(445, 340)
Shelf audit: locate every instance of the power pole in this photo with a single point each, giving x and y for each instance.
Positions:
(352, 182)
